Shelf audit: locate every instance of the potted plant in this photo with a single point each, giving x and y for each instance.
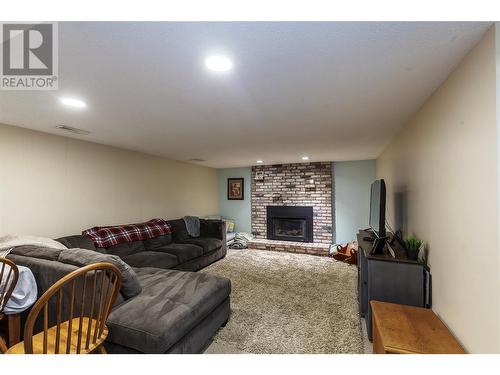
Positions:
(412, 245)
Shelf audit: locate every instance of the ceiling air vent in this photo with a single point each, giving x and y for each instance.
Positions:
(197, 160)
(72, 130)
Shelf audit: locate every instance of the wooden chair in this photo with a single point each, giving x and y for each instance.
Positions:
(6, 289)
(92, 290)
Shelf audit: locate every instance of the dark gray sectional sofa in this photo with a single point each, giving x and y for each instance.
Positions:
(176, 251)
(173, 311)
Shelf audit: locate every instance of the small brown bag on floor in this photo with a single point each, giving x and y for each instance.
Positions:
(347, 254)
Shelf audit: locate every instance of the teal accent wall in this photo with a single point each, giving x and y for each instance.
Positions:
(352, 180)
(240, 211)
(350, 197)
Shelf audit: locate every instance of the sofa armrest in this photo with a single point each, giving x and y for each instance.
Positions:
(213, 228)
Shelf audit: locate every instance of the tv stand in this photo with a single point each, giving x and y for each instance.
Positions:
(387, 277)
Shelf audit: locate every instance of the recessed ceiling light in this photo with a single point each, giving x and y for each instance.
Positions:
(72, 102)
(259, 161)
(218, 63)
(305, 157)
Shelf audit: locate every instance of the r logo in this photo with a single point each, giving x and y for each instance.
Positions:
(28, 49)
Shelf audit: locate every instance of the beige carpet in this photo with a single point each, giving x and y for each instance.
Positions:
(288, 303)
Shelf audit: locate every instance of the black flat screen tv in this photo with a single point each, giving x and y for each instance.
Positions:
(377, 208)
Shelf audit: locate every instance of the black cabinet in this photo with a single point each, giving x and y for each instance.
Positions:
(384, 278)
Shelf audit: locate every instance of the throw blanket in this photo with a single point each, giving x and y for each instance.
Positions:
(192, 225)
(105, 237)
(8, 242)
(240, 241)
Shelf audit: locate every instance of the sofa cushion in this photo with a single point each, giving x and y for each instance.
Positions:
(207, 243)
(47, 273)
(126, 248)
(153, 243)
(203, 261)
(171, 304)
(82, 257)
(213, 229)
(77, 241)
(179, 230)
(151, 259)
(183, 252)
(47, 253)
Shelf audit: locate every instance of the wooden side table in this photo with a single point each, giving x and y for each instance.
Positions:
(401, 329)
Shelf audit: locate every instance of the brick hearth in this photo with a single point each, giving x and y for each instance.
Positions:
(303, 184)
(289, 247)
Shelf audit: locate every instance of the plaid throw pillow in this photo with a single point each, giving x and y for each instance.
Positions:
(109, 236)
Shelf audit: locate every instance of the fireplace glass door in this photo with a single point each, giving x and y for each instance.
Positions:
(289, 228)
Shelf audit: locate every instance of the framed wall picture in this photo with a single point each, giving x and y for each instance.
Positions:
(235, 188)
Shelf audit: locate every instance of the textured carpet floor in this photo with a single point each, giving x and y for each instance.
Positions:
(288, 303)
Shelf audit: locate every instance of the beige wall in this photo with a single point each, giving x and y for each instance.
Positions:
(445, 160)
(53, 186)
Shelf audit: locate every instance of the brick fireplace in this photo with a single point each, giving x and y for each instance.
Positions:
(305, 186)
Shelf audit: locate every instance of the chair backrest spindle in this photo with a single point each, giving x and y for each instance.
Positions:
(58, 321)
(91, 315)
(9, 274)
(45, 327)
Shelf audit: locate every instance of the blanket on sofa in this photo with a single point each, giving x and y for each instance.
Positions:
(114, 235)
(8, 242)
(192, 225)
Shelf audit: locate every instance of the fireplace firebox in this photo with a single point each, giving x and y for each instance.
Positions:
(290, 223)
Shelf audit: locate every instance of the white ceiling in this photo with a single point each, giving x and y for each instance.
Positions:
(333, 91)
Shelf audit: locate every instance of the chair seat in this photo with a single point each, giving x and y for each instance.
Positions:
(51, 338)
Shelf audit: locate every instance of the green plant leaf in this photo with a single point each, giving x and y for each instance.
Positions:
(412, 243)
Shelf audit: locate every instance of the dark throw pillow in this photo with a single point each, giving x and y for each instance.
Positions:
(82, 257)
